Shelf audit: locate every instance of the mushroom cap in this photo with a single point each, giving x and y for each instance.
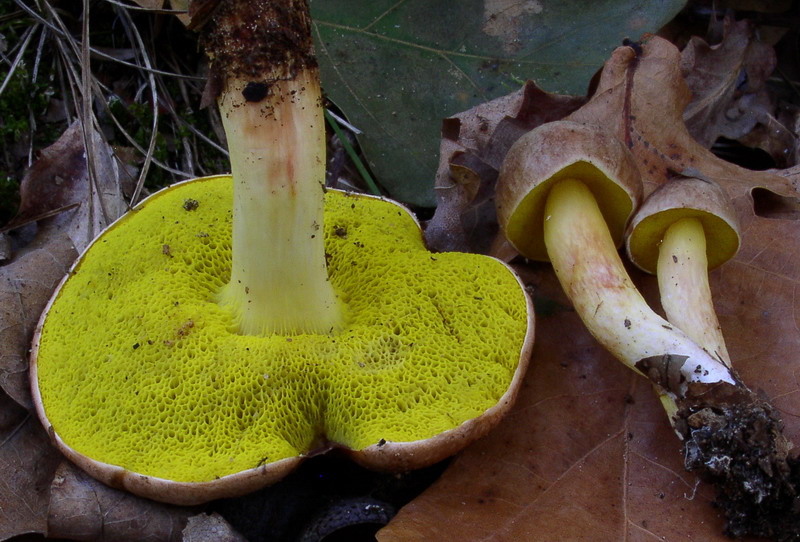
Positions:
(561, 150)
(142, 380)
(684, 197)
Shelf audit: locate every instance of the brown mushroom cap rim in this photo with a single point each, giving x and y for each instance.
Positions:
(525, 226)
(722, 239)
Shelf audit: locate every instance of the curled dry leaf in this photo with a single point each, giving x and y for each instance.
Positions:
(728, 83)
(83, 198)
(81, 508)
(640, 98)
(588, 453)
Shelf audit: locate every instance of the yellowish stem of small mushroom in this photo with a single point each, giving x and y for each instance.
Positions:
(279, 281)
(592, 274)
(683, 283)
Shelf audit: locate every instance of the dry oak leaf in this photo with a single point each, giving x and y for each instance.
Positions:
(587, 453)
(640, 98)
(728, 83)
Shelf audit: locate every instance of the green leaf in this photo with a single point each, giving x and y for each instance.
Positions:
(396, 68)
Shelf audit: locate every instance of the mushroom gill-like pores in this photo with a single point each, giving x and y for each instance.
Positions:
(565, 193)
(230, 326)
(732, 436)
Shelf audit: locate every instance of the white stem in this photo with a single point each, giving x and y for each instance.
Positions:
(683, 283)
(279, 281)
(592, 274)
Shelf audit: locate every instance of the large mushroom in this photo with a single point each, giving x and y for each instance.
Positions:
(565, 193)
(230, 326)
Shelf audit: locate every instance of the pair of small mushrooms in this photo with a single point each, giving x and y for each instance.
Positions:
(566, 193)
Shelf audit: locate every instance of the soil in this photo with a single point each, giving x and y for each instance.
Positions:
(740, 448)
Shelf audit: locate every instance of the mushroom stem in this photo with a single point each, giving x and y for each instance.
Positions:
(264, 70)
(683, 284)
(279, 281)
(591, 272)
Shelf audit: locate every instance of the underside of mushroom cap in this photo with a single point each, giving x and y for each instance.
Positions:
(143, 380)
(563, 150)
(684, 197)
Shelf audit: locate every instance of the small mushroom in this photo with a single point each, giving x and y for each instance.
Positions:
(284, 320)
(685, 228)
(565, 193)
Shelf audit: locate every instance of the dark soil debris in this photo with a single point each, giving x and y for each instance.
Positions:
(742, 451)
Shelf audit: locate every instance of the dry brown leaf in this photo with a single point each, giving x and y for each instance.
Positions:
(26, 284)
(727, 82)
(471, 151)
(59, 182)
(640, 98)
(81, 508)
(587, 454)
(27, 463)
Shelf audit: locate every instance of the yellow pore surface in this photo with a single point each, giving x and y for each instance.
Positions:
(138, 367)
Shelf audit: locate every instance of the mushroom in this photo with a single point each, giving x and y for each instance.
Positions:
(557, 184)
(227, 327)
(564, 194)
(685, 228)
(732, 436)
